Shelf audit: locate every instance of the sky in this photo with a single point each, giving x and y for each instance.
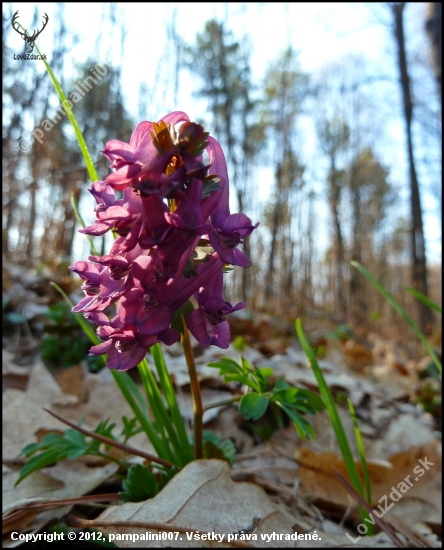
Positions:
(321, 32)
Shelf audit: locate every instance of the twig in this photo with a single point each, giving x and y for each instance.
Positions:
(388, 530)
(417, 538)
(22, 509)
(113, 443)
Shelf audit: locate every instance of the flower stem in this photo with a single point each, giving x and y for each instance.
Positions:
(195, 390)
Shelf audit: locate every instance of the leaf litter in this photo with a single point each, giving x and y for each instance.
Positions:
(294, 478)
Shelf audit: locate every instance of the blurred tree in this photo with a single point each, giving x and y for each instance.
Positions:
(334, 137)
(419, 263)
(434, 29)
(224, 68)
(370, 197)
(40, 174)
(286, 89)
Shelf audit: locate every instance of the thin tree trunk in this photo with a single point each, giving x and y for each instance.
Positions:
(357, 303)
(417, 230)
(338, 245)
(274, 233)
(434, 29)
(31, 226)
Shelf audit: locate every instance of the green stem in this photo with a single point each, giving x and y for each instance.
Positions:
(170, 396)
(195, 390)
(160, 413)
(360, 445)
(222, 403)
(83, 147)
(121, 463)
(149, 429)
(79, 218)
(333, 414)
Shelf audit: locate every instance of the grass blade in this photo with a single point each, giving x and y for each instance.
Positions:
(146, 424)
(82, 224)
(170, 396)
(423, 298)
(66, 105)
(159, 411)
(400, 311)
(333, 415)
(361, 450)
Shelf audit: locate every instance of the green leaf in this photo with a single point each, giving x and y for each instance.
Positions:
(209, 186)
(253, 405)
(224, 451)
(258, 375)
(140, 484)
(102, 429)
(266, 372)
(299, 398)
(41, 461)
(229, 450)
(209, 435)
(303, 427)
(47, 439)
(243, 380)
(184, 310)
(246, 367)
(226, 365)
(130, 428)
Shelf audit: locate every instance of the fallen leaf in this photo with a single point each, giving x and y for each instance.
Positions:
(399, 475)
(66, 479)
(200, 497)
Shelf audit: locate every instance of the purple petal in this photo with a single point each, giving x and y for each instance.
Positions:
(102, 348)
(153, 319)
(97, 228)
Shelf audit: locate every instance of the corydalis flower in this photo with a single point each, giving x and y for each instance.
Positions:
(174, 236)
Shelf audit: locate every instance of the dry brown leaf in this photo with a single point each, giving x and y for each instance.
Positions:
(358, 356)
(71, 381)
(319, 482)
(23, 416)
(201, 497)
(66, 479)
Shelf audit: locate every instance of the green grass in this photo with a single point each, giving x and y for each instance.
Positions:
(400, 311)
(335, 421)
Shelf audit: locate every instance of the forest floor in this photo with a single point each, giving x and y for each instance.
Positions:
(279, 484)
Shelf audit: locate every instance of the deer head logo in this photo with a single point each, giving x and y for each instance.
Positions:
(29, 40)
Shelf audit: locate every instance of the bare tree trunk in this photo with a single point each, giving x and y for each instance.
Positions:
(274, 233)
(417, 230)
(434, 29)
(31, 226)
(357, 303)
(338, 245)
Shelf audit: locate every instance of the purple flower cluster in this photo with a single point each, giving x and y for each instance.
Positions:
(174, 235)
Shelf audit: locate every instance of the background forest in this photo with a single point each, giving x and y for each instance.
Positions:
(329, 116)
(338, 163)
